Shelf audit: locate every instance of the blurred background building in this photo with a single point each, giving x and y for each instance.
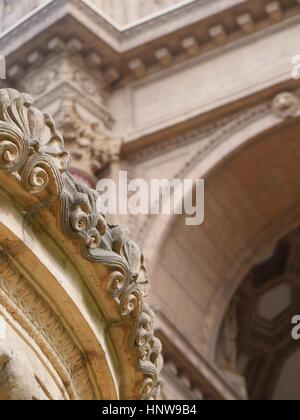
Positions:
(188, 89)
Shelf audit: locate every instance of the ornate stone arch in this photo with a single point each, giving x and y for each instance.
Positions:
(88, 270)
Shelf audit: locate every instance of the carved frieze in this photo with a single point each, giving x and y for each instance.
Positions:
(67, 72)
(77, 99)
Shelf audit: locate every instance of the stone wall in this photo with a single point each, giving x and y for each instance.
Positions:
(120, 11)
(128, 11)
(11, 11)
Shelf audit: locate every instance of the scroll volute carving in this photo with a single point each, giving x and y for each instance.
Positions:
(31, 149)
(131, 296)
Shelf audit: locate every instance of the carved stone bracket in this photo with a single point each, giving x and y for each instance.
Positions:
(91, 146)
(32, 151)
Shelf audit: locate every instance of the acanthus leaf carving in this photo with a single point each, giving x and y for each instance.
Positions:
(30, 145)
(131, 298)
(91, 145)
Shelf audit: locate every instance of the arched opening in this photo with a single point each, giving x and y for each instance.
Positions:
(252, 200)
(255, 342)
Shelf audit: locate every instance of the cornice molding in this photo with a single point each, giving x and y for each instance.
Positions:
(284, 106)
(194, 8)
(145, 47)
(233, 125)
(32, 152)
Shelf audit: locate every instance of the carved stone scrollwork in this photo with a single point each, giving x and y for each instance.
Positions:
(80, 216)
(130, 294)
(32, 151)
(30, 147)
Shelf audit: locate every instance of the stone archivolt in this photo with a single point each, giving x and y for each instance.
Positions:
(33, 313)
(32, 151)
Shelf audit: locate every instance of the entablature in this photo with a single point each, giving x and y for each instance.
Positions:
(134, 51)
